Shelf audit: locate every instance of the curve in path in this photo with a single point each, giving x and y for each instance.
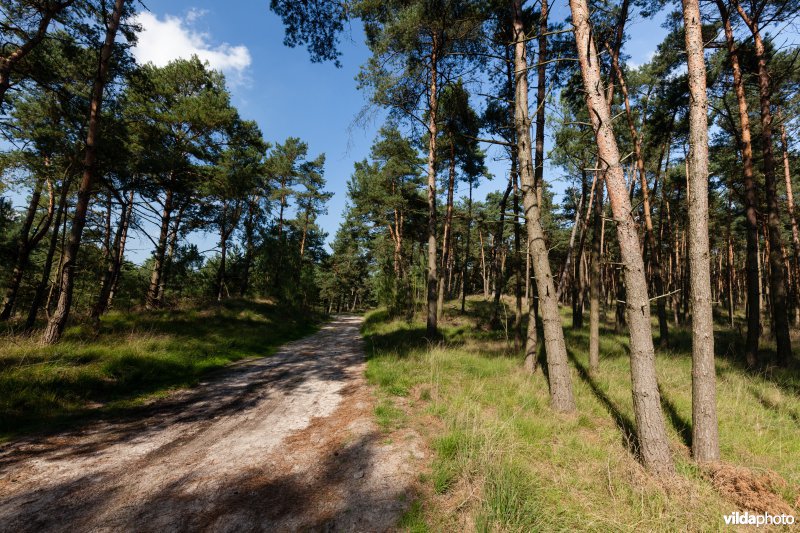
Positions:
(282, 443)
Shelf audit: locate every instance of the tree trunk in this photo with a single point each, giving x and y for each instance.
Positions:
(57, 322)
(27, 242)
(705, 435)
(652, 435)
(38, 296)
(446, 231)
(594, 281)
(777, 280)
(517, 271)
(172, 244)
(54, 292)
(787, 175)
(432, 277)
(730, 270)
(153, 299)
(120, 253)
(655, 260)
(223, 253)
(498, 264)
(305, 234)
(571, 246)
(249, 236)
(532, 340)
(112, 263)
(750, 198)
(561, 397)
(465, 266)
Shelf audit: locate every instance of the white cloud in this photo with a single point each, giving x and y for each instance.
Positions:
(162, 41)
(637, 64)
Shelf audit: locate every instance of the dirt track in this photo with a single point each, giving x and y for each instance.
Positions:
(283, 443)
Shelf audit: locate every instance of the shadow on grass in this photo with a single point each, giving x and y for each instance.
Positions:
(729, 346)
(771, 405)
(681, 425)
(410, 340)
(132, 357)
(623, 422)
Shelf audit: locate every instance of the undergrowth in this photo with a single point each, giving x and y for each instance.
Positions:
(502, 460)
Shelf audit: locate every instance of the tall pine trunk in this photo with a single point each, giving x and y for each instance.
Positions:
(561, 397)
(113, 261)
(432, 275)
(465, 266)
(517, 271)
(497, 244)
(654, 255)
(531, 339)
(777, 278)
(44, 281)
(249, 237)
(752, 276)
(652, 435)
(57, 322)
(705, 434)
(787, 175)
(153, 299)
(594, 280)
(447, 230)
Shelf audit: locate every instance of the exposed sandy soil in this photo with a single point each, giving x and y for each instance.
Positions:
(283, 443)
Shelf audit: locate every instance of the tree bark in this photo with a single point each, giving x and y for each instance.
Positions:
(705, 434)
(498, 263)
(484, 273)
(777, 278)
(652, 435)
(517, 271)
(561, 397)
(465, 266)
(38, 296)
(153, 299)
(249, 231)
(120, 253)
(787, 175)
(432, 275)
(655, 260)
(594, 281)
(750, 198)
(57, 322)
(531, 340)
(113, 262)
(446, 230)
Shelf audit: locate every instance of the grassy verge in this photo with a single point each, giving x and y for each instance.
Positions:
(502, 460)
(132, 358)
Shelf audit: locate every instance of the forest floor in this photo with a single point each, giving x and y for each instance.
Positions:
(280, 443)
(501, 460)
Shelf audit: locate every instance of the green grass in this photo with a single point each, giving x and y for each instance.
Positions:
(502, 460)
(132, 358)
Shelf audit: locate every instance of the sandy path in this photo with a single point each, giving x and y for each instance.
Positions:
(282, 443)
